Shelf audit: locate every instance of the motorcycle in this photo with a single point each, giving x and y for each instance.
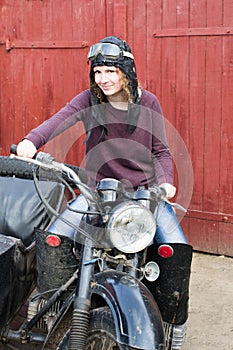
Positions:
(95, 289)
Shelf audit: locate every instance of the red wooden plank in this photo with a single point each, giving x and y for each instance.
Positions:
(183, 173)
(212, 165)
(212, 124)
(197, 13)
(119, 19)
(47, 87)
(7, 99)
(197, 116)
(227, 13)
(169, 14)
(66, 11)
(226, 180)
(19, 98)
(225, 239)
(214, 13)
(140, 34)
(168, 69)
(201, 234)
(46, 21)
(56, 20)
(182, 88)
(129, 24)
(109, 16)
(182, 72)
(154, 48)
(189, 32)
(35, 30)
(98, 16)
(6, 104)
(27, 17)
(168, 76)
(32, 88)
(2, 79)
(182, 14)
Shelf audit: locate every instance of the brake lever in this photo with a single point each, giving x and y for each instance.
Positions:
(161, 194)
(175, 205)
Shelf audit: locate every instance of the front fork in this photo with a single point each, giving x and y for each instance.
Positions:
(81, 311)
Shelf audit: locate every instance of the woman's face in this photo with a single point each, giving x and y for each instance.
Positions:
(109, 80)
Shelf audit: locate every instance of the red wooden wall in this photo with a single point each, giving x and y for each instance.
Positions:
(184, 54)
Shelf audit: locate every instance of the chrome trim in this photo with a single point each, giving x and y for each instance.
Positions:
(174, 335)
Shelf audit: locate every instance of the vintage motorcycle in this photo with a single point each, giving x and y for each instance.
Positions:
(99, 289)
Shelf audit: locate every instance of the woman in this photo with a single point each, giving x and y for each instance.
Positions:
(125, 140)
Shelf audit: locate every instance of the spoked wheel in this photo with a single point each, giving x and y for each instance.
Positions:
(101, 333)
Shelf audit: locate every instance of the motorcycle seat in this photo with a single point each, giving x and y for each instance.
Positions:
(22, 210)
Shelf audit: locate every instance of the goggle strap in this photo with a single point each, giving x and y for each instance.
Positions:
(128, 54)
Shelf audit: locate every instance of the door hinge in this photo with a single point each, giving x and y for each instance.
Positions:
(38, 44)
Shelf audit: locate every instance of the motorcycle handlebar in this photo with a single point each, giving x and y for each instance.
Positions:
(46, 161)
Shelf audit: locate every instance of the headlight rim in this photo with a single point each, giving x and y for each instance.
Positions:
(116, 211)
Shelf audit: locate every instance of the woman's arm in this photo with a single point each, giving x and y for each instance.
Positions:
(59, 122)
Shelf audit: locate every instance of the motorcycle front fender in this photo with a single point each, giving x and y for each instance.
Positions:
(138, 322)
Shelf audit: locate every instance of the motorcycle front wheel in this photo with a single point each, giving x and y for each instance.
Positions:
(101, 334)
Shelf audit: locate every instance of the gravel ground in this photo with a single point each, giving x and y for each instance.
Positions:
(210, 324)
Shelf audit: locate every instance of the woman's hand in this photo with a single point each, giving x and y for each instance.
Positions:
(170, 190)
(26, 149)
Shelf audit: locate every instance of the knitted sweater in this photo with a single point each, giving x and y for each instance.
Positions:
(140, 158)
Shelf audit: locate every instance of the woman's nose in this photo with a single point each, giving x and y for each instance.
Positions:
(103, 78)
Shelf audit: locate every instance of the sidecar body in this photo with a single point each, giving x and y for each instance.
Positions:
(17, 276)
(21, 212)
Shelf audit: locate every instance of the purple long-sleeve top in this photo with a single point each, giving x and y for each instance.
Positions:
(140, 158)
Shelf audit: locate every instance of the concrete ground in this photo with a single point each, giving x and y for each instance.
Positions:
(210, 324)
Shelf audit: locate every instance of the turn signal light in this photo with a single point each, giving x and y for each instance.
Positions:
(165, 251)
(53, 240)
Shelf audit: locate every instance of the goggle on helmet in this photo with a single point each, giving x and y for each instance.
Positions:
(108, 51)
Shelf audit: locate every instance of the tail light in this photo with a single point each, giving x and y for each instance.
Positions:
(165, 251)
(53, 240)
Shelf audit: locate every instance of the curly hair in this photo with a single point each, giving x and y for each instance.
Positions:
(125, 86)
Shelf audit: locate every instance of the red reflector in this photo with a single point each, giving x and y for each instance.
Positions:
(53, 240)
(165, 251)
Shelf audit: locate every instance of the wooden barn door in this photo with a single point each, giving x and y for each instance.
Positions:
(196, 43)
(184, 54)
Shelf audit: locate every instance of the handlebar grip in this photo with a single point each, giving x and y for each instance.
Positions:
(13, 149)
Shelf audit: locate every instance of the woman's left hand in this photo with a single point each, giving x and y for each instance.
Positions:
(170, 190)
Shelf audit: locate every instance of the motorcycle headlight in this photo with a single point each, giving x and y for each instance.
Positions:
(131, 227)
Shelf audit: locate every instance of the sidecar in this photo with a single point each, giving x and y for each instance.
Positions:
(21, 212)
(17, 276)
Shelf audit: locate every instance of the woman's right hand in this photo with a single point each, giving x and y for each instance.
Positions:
(26, 149)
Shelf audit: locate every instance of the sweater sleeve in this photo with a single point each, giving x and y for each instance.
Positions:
(59, 122)
(161, 155)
